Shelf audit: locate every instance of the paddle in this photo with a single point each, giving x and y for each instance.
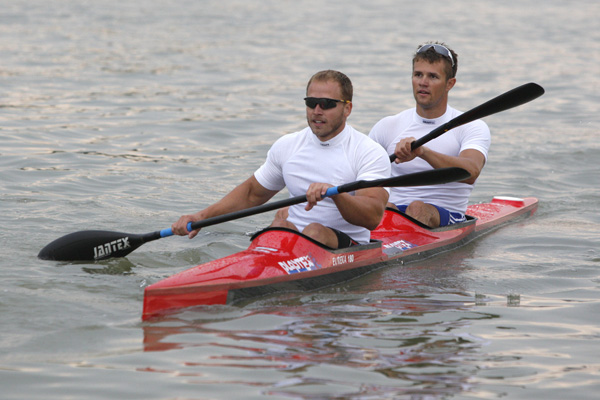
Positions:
(515, 97)
(99, 245)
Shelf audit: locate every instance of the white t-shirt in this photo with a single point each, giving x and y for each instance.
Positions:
(452, 196)
(298, 159)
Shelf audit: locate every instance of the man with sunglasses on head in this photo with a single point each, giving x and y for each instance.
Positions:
(433, 76)
(327, 153)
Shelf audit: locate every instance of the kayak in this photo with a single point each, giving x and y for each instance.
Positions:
(282, 260)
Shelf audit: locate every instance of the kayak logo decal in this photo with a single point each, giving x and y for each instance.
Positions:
(106, 249)
(343, 259)
(400, 244)
(300, 264)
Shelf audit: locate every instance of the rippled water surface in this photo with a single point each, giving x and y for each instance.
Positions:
(123, 115)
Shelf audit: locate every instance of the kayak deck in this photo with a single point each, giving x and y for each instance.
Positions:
(284, 260)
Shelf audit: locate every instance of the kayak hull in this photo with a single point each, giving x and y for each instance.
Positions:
(280, 260)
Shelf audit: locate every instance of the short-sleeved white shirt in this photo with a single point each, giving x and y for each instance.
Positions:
(298, 159)
(452, 196)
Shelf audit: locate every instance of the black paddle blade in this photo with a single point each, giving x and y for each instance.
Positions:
(511, 99)
(93, 246)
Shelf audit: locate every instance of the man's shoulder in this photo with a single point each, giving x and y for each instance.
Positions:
(408, 113)
(365, 145)
(402, 118)
(292, 137)
(388, 127)
(360, 138)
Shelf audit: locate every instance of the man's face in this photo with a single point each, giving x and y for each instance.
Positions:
(430, 87)
(326, 124)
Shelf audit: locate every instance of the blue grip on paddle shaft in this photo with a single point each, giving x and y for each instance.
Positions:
(166, 232)
(169, 232)
(332, 191)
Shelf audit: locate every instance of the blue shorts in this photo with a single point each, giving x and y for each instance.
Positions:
(446, 217)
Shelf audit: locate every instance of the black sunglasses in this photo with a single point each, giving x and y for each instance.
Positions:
(323, 102)
(438, 48)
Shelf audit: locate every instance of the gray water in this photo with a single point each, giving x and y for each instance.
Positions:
(123, 115)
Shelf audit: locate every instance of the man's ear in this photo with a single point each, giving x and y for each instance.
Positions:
(450, 84)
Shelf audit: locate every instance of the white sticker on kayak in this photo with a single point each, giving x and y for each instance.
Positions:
(342, 259)
(265, 249)
(300, 264)
(400, 244)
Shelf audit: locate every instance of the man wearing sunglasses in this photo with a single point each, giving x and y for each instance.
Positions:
(433, 76)
(327, 153)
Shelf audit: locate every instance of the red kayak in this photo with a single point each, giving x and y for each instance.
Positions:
(284, 260)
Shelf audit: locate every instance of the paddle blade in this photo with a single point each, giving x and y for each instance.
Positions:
(511, 99)
(93, 246)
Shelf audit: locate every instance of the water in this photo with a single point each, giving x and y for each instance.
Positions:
(124, 115)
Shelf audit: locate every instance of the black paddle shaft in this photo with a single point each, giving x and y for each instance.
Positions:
(430, 177)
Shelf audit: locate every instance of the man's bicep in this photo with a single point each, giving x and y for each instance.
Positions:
(379, 194)
(257, 192)
(476, 156)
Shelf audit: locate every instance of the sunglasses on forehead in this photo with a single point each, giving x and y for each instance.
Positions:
(438, 48)
(323, 102)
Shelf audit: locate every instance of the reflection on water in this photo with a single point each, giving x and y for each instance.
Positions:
(415, 345)
(119, 266)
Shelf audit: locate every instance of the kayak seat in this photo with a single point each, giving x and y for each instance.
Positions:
(422, 225)
(373, 242)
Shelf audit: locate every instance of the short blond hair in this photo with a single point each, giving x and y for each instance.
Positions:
(336, 76)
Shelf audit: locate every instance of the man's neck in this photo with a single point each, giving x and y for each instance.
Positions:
(330, 135)
(431, 113)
